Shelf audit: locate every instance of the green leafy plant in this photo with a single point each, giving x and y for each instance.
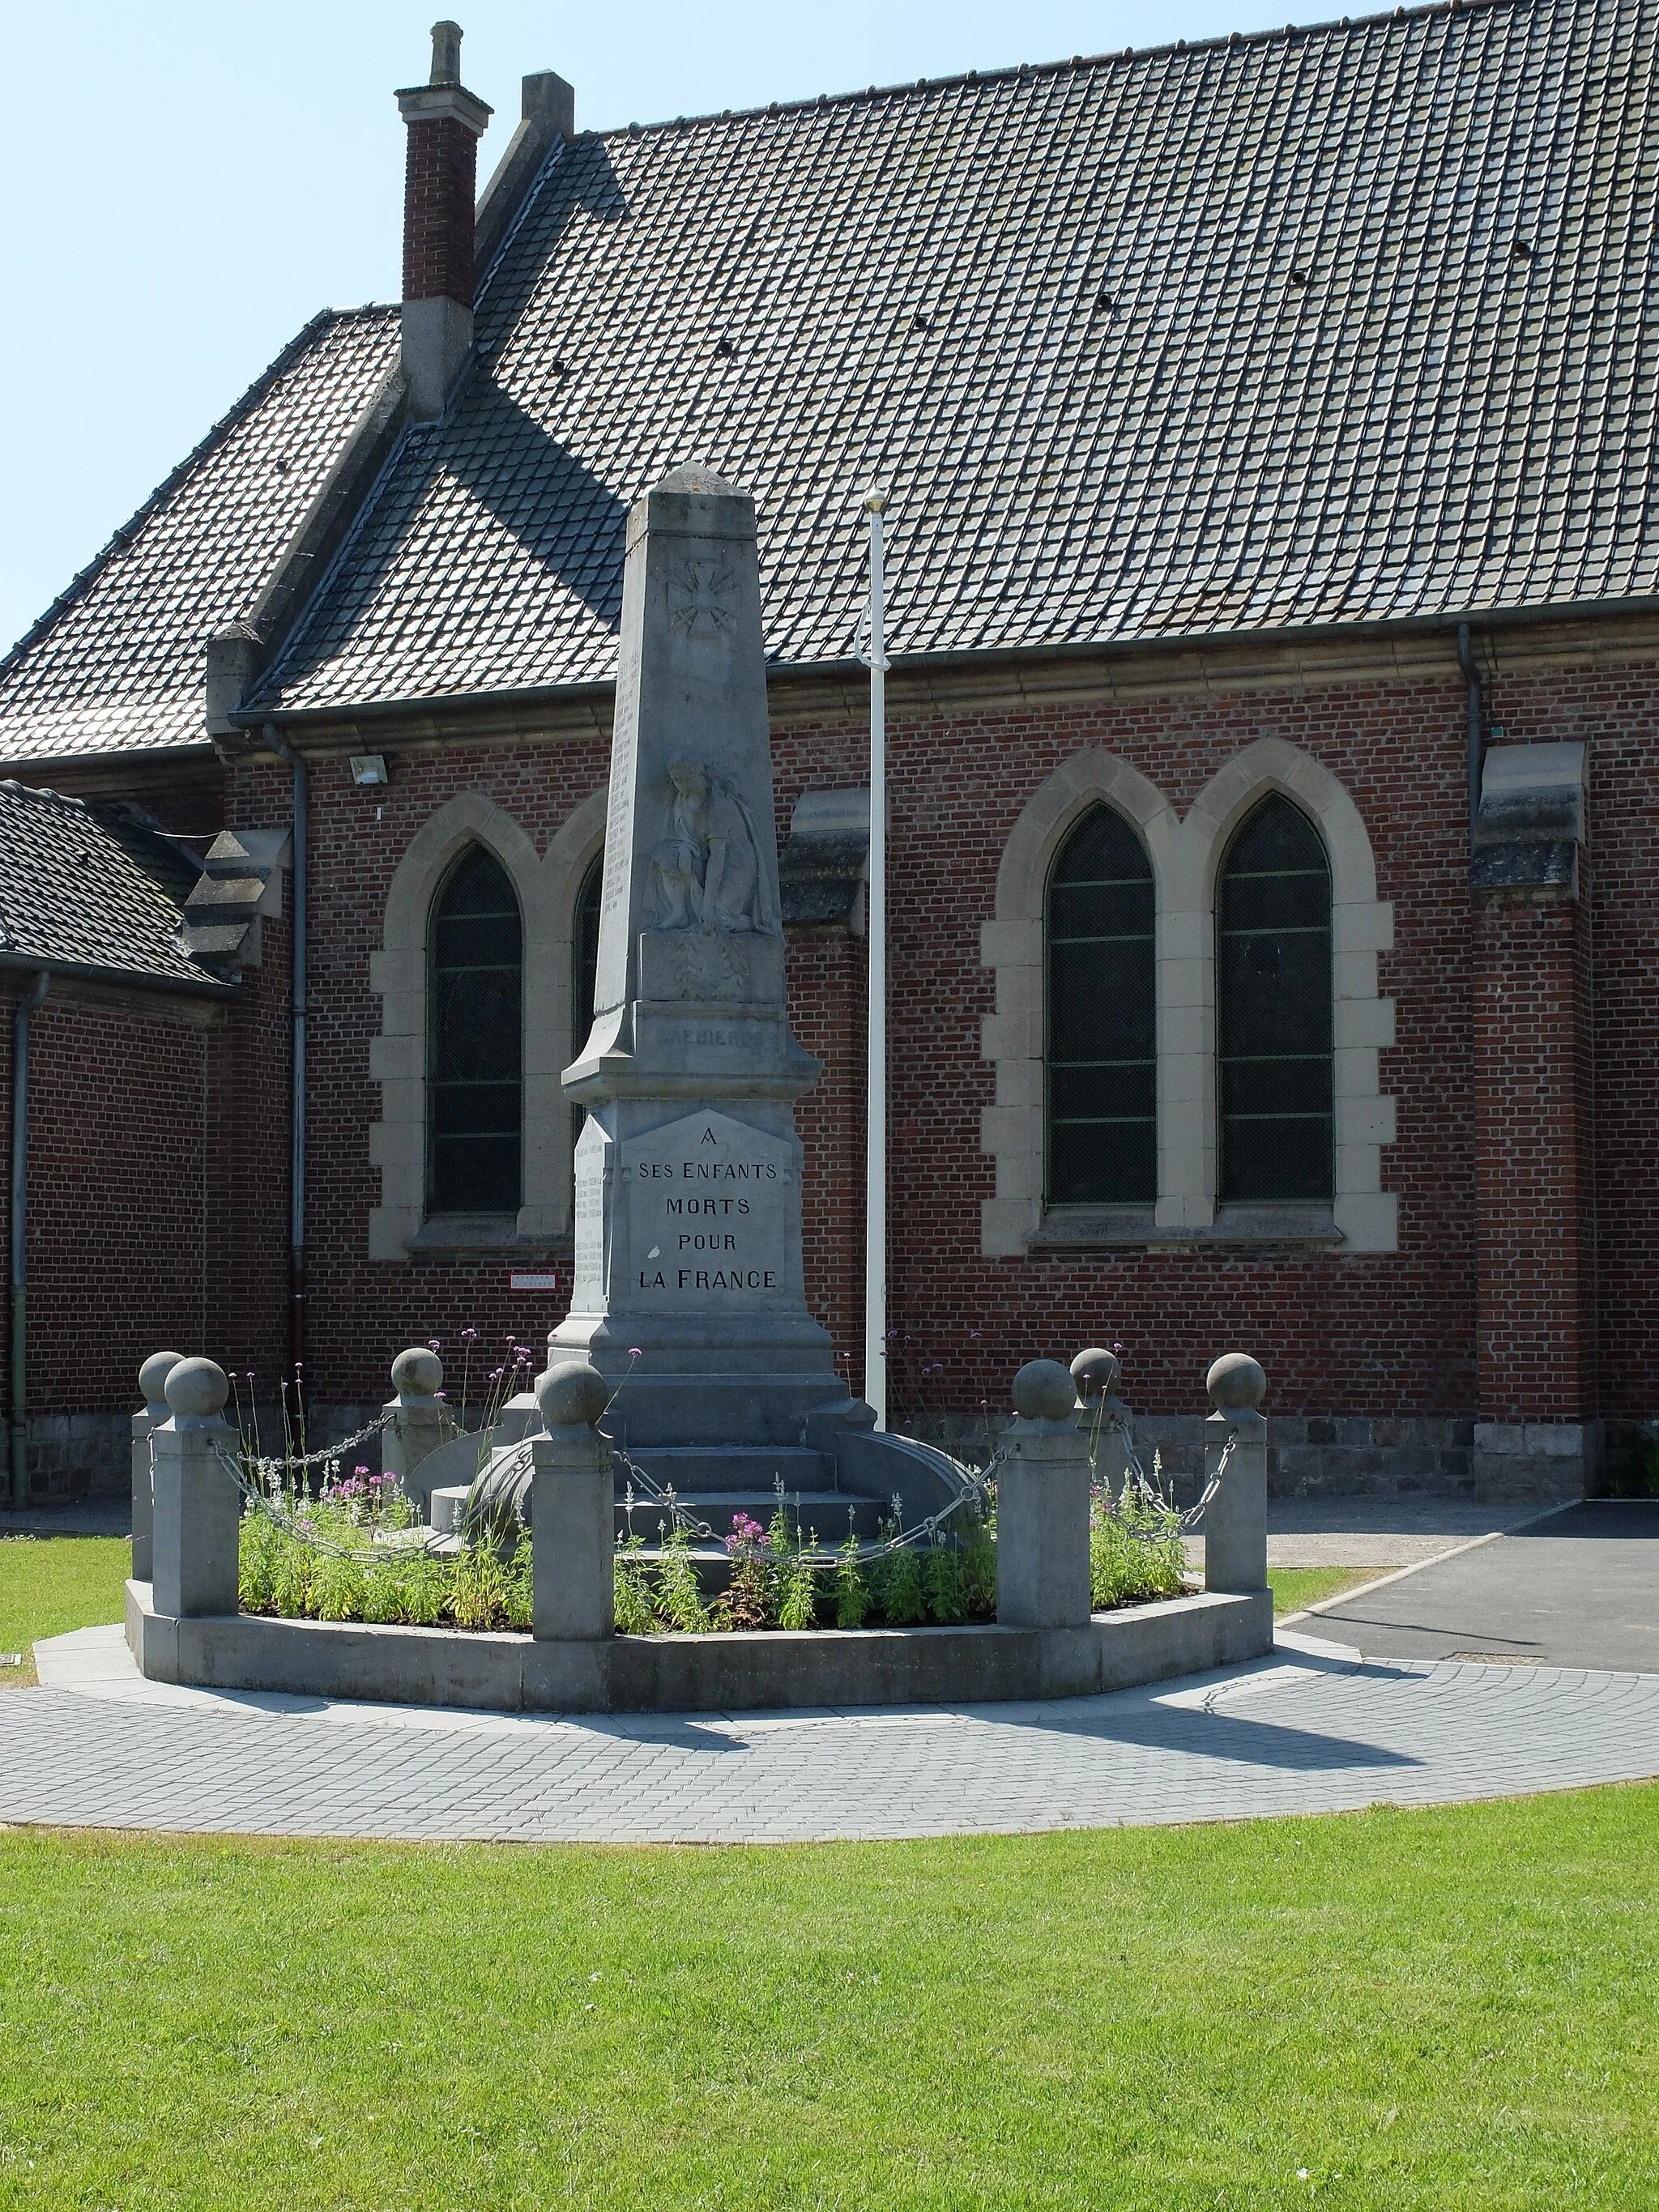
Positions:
(679, 1601)
(635, 1612)
(853, 1598)
(979, 1571)
(336, 1588)
(798, 1586)
(1135, 1551)
(944, 1587)
(896, 1579)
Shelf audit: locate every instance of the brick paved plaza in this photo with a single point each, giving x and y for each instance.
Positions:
(1307, 1731)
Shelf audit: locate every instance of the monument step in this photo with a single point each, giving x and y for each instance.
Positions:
(734, 1466)
(826, 1511)
(655, 1411)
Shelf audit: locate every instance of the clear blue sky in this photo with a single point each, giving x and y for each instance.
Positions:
(185, 184)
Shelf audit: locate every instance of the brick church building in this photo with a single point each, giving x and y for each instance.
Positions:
(1267, 427)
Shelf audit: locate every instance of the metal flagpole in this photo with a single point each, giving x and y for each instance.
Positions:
(875, 1263)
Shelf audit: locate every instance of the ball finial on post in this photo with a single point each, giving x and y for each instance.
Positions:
(1096, 1374)
(197, 1390)
(1236, 1383)
(417, 1373)
(573, 1394)
(1044, 1391)
(153, 1377)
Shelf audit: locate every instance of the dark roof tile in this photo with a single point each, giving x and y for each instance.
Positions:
(82, 888)
(1221, 339)
(117, 663)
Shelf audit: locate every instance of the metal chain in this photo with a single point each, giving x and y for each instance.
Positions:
(329, 1451)
(1186, 1522)
(256, 1497)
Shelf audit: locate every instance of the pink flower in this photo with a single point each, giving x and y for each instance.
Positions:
(636, 1352)
(746, 1533)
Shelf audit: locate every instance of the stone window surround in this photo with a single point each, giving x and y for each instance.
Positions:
(547, 889)
(1186, 856)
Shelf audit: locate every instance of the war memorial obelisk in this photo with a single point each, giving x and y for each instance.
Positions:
(688, 1235)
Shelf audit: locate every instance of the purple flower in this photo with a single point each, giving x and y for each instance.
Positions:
(433, 1345)
(467, 1335)
(745, 1532)
(636, 1352)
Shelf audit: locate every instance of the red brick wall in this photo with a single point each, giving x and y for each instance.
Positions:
(1532, 1163)
(440, 185)
(1374, 1334)
(116, 1195)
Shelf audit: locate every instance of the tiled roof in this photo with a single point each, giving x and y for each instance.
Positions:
(82, 888)
(117, 661)
(1321, 326)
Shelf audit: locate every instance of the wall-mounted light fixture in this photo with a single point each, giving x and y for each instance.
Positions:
(368, 767)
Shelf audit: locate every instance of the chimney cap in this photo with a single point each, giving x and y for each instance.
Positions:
(446, 53)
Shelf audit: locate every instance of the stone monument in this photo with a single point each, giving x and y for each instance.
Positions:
(688, 1241)
(688, 1296)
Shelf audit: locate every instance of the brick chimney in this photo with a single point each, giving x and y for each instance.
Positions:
(445, 122)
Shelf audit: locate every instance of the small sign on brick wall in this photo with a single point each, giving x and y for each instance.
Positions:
(532, 1282)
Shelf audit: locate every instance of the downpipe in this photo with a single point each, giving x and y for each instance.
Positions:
(17, 1430)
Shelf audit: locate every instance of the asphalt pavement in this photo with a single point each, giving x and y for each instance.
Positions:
(1577, 1588)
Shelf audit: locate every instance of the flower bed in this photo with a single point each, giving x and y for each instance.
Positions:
(336, 1557)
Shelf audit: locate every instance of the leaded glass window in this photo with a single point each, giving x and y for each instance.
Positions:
(586, 950)
(1274, 1009)
(1103, 1018)
(475, 1041)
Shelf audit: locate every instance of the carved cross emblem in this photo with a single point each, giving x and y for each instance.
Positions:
(700, 596)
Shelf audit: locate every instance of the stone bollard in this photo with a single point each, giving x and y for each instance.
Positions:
(419, 1420)
(1042, 1505)
(152, 1382)
(1236, 1518)
(198, 1507)
(1104, 1418)
(572, 1509)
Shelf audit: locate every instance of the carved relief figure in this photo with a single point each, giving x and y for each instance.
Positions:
(708, 874)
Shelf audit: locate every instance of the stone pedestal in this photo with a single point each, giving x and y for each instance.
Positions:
(152, 1382)
(1236, 1518)
(573, 1568)
(198, 1508)
(1042, 1506)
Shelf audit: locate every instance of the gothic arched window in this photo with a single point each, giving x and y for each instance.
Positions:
(475, 1041)
(1274, 1001)
(584, 948)
(1102, 1020)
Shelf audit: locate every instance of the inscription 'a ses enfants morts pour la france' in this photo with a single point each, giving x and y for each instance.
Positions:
(704, 1214)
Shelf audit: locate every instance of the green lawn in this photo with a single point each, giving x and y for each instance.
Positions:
(50, 1585)
(1425, 2010)
(1295, 1589)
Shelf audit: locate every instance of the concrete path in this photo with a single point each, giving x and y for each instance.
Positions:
(1308, 1730)
(1576, 1587)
